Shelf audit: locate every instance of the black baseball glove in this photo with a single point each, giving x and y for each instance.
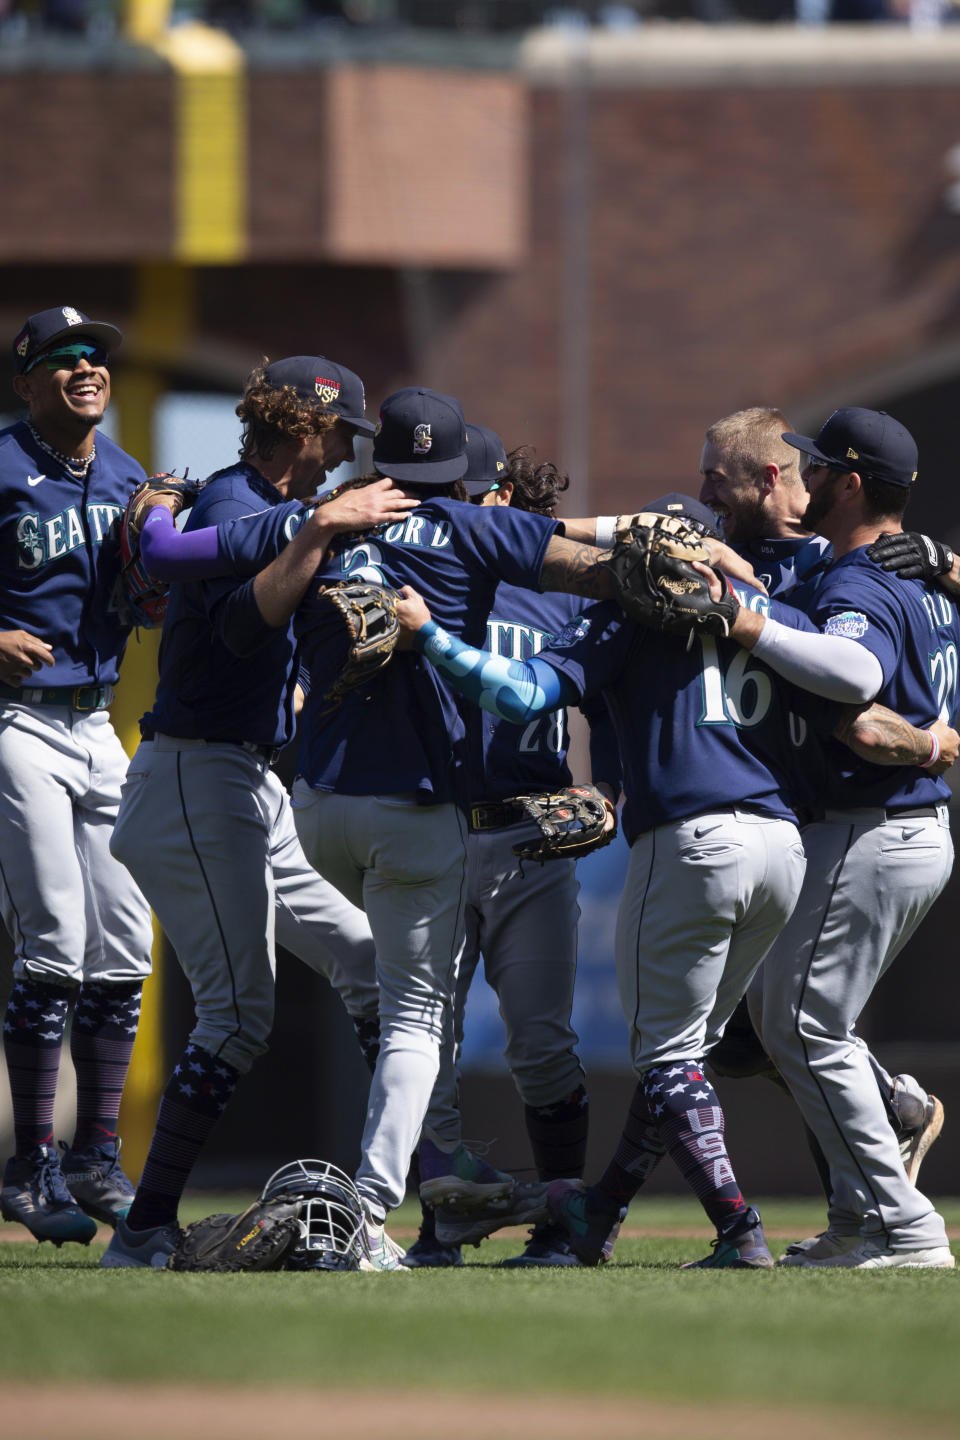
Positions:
(571, 823)
(259, 1239)
(369, 613)
(140, 600)
(912, 556)
(657, 585)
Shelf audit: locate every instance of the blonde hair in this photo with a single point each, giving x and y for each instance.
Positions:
(752, 439)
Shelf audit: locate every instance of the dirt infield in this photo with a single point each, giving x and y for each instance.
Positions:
(156, 1412)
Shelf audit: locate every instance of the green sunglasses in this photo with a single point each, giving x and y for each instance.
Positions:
(68, 357)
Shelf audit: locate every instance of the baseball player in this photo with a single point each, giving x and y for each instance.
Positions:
(876, 861)
(751, 480)
(705, 745)
(81, 930)
(204, 823)
(522, 918)
(380, 797)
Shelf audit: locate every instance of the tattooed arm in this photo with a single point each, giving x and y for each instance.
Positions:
(885, 738)
(576, 569)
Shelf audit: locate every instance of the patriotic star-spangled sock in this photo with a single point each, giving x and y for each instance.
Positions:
(33, 1027)
(638, 1153)
(195, 1097)
(558, 1135)
(104, 1027)
(685, 1107)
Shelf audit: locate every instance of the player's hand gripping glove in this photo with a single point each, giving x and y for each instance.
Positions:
(572, 822)
(369, 613)
(140, 600)
(259, 1239)
(657, 585)
(912, 556)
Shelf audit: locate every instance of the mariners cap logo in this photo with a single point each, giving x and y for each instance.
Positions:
(328, 390)
(22, 342)
(422, 440)
(72, 317)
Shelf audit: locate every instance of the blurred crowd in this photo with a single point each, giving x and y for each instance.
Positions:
(20, 18)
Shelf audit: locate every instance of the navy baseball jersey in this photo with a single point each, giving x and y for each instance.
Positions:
(404, 732)
(59, 556)
(507, 759)
(782, 565)
(206, 690)
(914, 631)
(699, 729)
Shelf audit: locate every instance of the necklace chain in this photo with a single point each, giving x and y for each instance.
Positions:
(75, 468)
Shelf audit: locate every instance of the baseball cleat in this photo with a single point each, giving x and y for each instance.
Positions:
(871, 1255)
(460, 1181)
(95, 1180)
(548, 1245)
(527, 1205)
(825, 1246)
(379, 1251)
(140, 1249)
(591, 1232)
(914, 1144)
(741, 1245)
(34, 1195)
(427, 1253)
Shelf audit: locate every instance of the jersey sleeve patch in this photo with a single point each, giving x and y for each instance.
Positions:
(851, 623)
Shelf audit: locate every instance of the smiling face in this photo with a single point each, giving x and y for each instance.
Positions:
(67, 401)
(735, 496)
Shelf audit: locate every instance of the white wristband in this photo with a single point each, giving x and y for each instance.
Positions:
(606, 532)
(934, 754)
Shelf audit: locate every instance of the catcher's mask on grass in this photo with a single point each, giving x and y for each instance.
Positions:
(331, 1214)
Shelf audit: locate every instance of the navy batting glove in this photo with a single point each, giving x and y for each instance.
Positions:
(912, 556)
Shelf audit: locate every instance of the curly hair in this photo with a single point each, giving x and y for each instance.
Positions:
(535, 487)
(271, 415)
(453, 490)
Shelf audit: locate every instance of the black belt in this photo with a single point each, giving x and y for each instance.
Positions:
(266, 753)
(495, 815)
(263, 752)
(78, 697)
(916, 812)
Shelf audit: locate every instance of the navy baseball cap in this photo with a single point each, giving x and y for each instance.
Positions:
(685, 507)
(421, 438)
(44, 330)
(486, 460)
(323, 383)
(870, 442)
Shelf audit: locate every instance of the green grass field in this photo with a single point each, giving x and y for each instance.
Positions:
(636, 1327)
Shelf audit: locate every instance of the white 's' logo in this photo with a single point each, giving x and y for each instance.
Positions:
(72, 317)
(422, 440)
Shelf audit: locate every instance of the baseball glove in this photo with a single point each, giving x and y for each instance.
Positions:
(665, 525)
(369, 613)
(140, 600)
(912, 556)
(657, 585)
(571, 823)
(259, 1239)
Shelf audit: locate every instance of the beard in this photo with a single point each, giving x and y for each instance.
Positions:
(746, 522)
(819, 507)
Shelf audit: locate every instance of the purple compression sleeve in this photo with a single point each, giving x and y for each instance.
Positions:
(169, 554)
